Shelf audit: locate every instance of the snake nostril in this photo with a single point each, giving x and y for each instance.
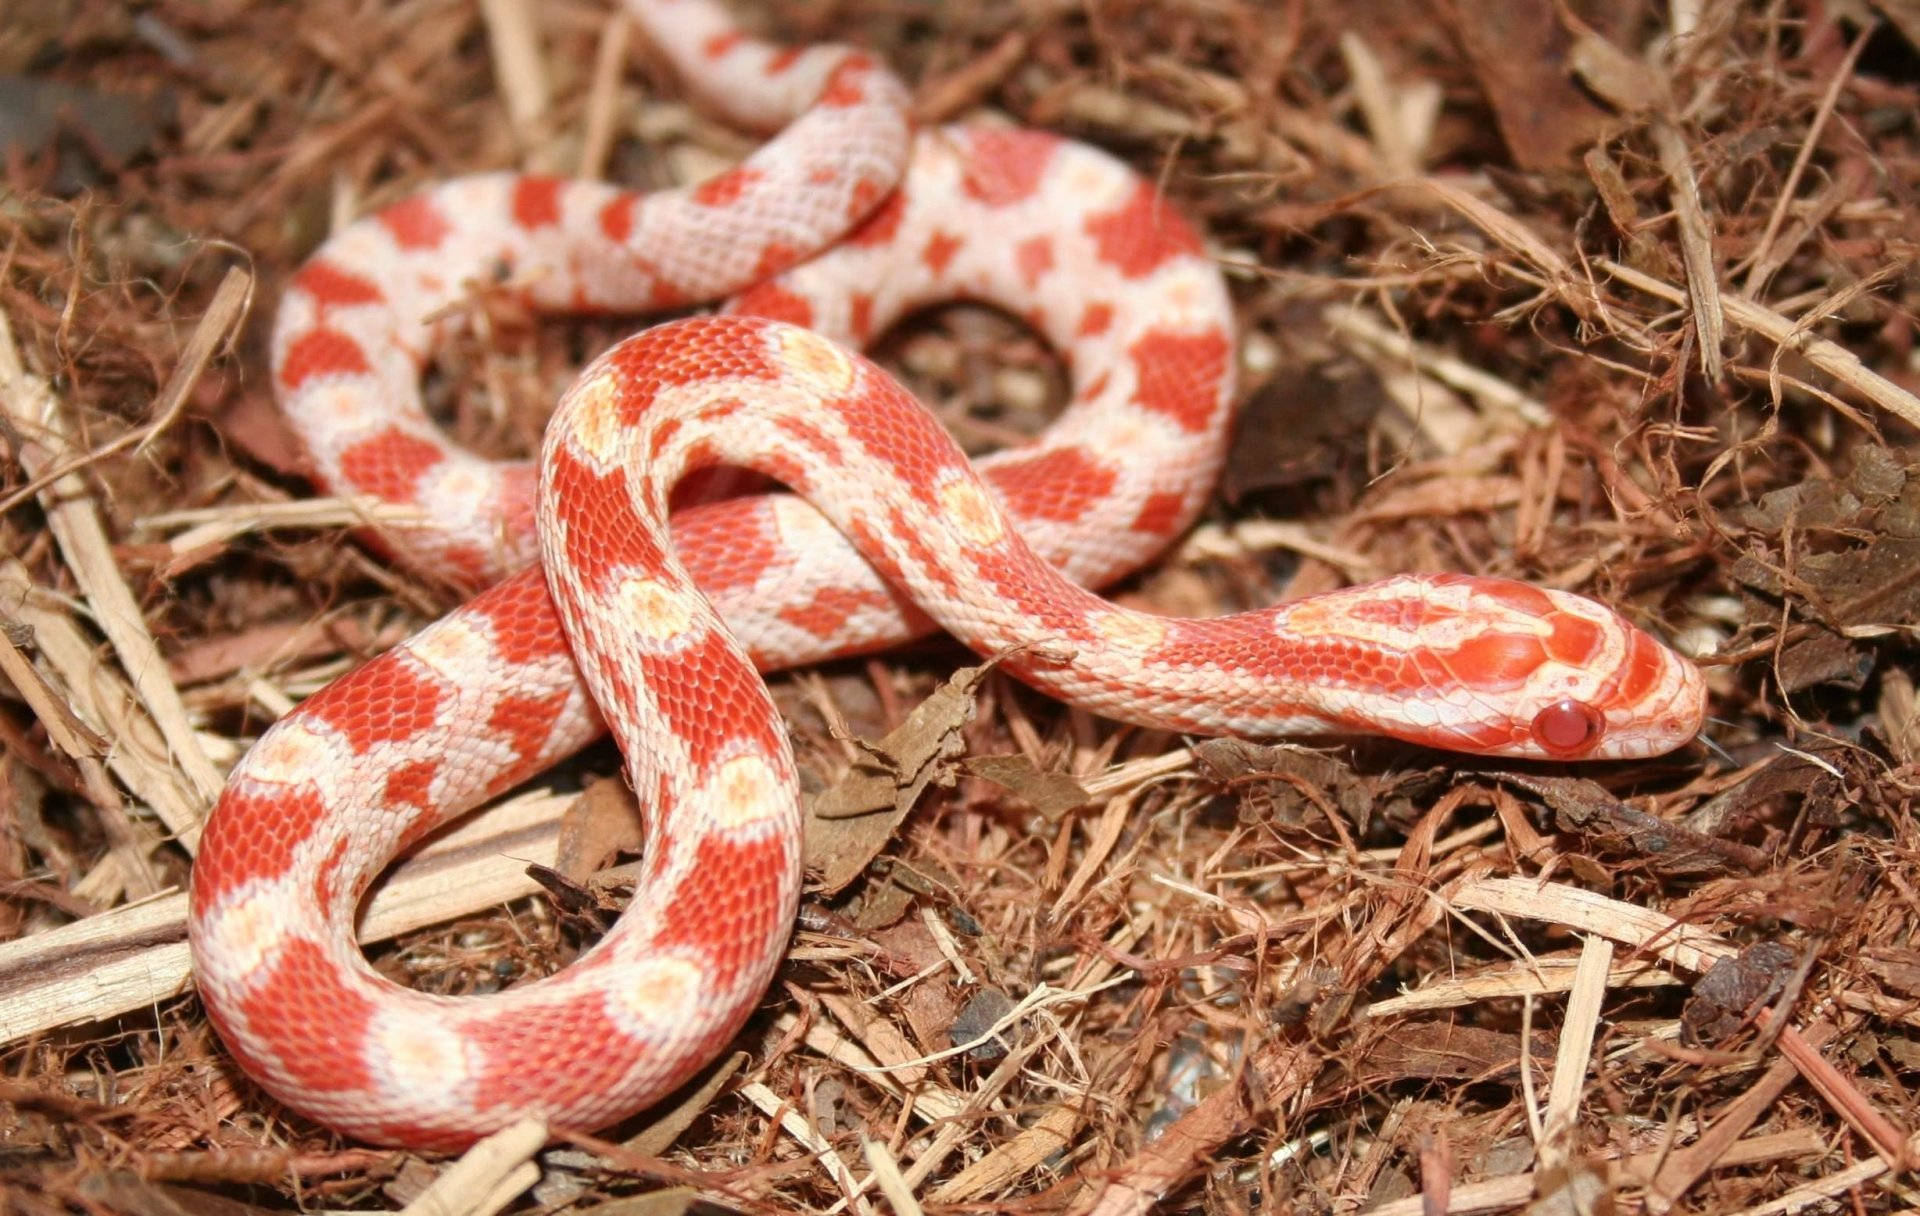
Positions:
(1568, 727)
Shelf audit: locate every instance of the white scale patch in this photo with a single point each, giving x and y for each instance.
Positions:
(345, 404)
(799, 525)
(1418, 712)
(299, 309)
(1130, 429)
(242, 933)
(293, 753)
(745, 792)
(657, 997)
(1186, 296)
(1132, 631)
(462, 484)
(595, 418)
(937, 160)
(358, 247)
(1094, 183)
(453, 648)
(422, 1057)
(971, 512)
(816, 360)
(474, 195)
(658, 612)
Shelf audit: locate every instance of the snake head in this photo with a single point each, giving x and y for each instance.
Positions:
(1504, 668)
(1605, 688)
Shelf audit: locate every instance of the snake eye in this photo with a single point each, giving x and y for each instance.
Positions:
(1568, 727)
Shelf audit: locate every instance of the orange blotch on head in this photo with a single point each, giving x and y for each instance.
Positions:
(1401, 612)
(1523, 598)
(1640, 672)
(1494, 661)
(1575, 640)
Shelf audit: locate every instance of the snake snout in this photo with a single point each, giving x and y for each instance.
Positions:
(1673, 713)
(1654, 702)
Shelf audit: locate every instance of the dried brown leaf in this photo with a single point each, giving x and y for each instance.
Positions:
(1521, 54)
(1734, 990)
(1440, 1050)
(1585, 808)
(852, 820)
(603, 821)
(1052, 794)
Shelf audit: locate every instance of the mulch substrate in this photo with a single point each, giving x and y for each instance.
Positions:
(1614, 297)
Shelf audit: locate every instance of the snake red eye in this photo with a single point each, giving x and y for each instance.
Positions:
(1568, 727)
